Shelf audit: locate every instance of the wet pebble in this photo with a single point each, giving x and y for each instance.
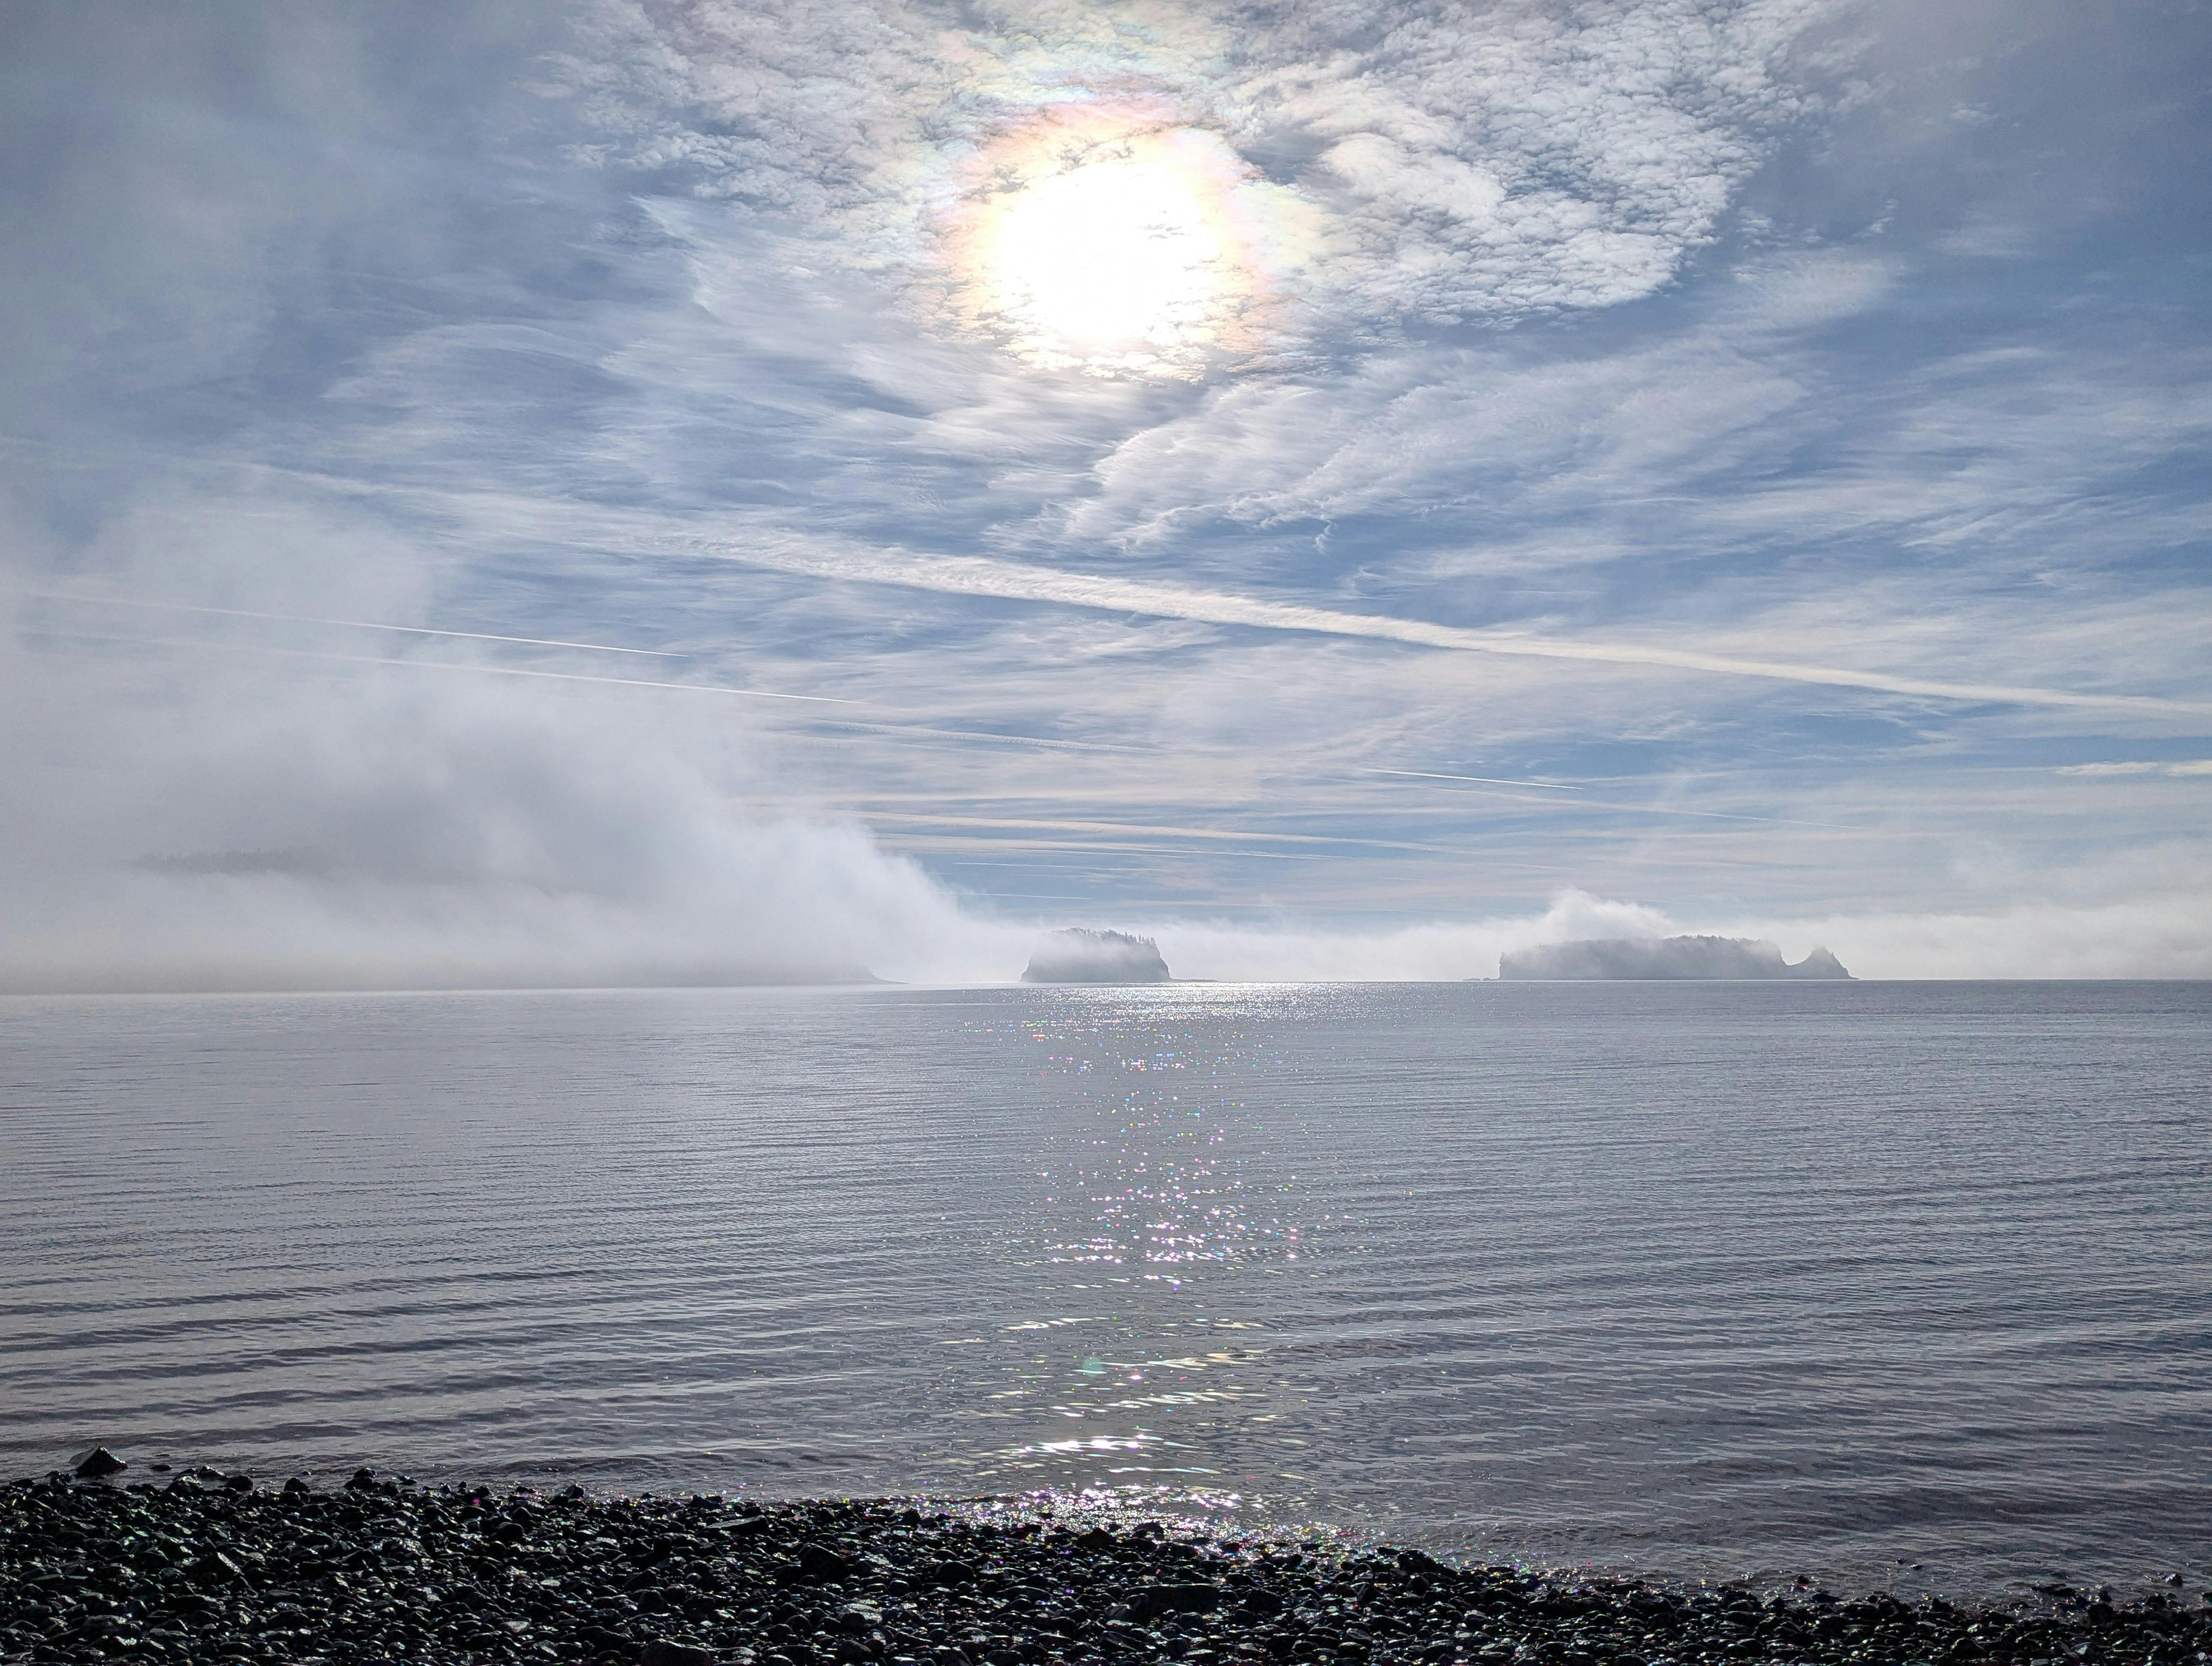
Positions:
(99, 1463)
(380, 1569)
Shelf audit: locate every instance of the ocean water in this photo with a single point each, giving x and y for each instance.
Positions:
(1900, 1286)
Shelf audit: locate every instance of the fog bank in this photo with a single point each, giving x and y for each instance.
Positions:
(207, 822)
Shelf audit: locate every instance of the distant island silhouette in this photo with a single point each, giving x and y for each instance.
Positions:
(1079, 955)
(1671, 960)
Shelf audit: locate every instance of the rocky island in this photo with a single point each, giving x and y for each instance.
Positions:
(1079, 955)
(1667, 960)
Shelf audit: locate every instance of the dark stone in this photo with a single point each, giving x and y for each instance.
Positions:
(99, 1464)
(1154, 1600)
(820, 1565)
(658, 1653)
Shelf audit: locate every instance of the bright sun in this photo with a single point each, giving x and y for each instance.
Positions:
(1112, 252)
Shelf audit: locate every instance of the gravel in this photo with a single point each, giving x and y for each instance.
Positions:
(206, 1567)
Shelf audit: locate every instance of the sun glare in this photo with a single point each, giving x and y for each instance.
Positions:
(1112, 259)
(1112, 252)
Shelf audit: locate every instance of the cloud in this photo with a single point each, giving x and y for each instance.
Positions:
(2184, 767)
(1738, 426)
(1507, 437)
(2168, 935)
(112, 601)
(1380, 169)
(178, 825)
(1432, 951)
(2153, 935)
(1467, 161)
(1695, 959)
(980, 576)
(1809, 570)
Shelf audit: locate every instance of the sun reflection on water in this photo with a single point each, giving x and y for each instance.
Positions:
(1159, 1201)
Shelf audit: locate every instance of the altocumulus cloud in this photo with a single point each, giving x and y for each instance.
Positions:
(1435, 162)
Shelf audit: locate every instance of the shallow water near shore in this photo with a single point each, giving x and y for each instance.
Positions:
(1898, 1285)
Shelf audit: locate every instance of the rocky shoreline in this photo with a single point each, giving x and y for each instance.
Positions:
(203, 1566)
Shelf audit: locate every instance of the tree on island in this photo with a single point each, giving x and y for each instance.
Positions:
(1079, 954)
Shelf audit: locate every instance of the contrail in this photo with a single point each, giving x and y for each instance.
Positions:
(355, 624)
(1485, 780)
(451, 664)
(1050, 743)
(907, 731)
(1612, 804)
(1628, 809)
(974, 575)
(1226, 835)
(1090, 848)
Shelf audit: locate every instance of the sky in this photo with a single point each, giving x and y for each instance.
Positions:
(625, 491)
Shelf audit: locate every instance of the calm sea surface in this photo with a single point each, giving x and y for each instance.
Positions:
(1895, 1285)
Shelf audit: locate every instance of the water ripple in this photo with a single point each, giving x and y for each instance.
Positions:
(1889, 1283)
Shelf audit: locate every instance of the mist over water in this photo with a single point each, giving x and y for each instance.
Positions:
(1894, 1284)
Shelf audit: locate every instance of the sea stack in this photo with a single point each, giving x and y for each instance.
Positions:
(1079, 955)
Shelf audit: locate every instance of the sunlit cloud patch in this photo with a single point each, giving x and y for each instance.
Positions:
(1114, 240)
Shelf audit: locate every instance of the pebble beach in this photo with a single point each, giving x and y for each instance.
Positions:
(201, 1565)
